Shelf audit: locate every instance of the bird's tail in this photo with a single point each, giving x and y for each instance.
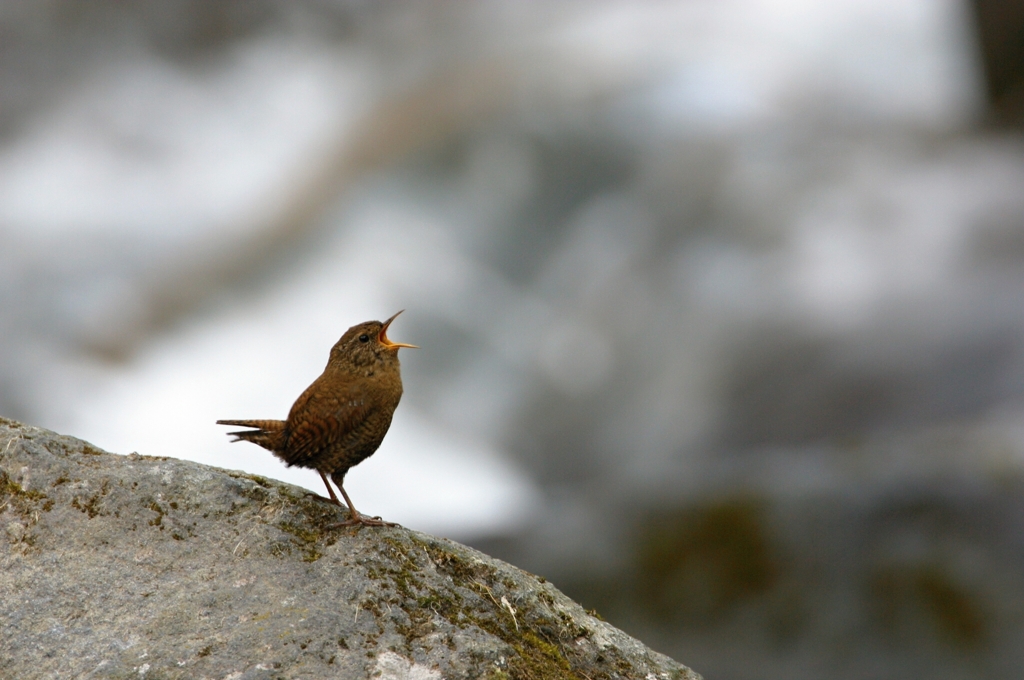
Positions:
(270, 434)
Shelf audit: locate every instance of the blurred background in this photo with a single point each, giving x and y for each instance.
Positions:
(720, 303)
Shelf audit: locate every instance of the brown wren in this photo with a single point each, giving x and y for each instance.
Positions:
(341, 419)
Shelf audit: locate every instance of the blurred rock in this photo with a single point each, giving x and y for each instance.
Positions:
(887, 557)
(132, 566)
(999, 24)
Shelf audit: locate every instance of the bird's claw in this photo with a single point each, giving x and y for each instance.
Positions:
(362, 520)
(332, 501)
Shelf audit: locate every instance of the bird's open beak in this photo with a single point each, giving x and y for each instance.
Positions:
(382, 337)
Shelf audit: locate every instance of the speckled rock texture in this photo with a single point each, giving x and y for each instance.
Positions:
(130, 566)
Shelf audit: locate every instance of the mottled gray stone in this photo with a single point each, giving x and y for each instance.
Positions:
(130, 566)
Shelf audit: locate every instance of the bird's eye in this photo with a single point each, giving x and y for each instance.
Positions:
(364, 338)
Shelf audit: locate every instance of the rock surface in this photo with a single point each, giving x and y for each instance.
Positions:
(114, 566)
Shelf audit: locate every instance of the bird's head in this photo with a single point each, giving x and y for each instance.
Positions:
(365, 345)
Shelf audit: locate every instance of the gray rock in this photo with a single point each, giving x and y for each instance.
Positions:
(115, 566)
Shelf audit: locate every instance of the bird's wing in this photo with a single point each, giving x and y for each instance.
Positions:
(320, 418)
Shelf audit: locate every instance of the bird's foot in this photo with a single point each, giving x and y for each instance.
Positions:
(358, 519)
(332, 501)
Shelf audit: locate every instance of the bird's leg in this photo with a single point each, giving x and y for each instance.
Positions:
(334, 498)
(329, 489)
(357, 517)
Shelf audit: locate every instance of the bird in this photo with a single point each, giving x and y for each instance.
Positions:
(341, 418)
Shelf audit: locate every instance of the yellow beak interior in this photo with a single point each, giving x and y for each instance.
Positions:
(382, 337)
